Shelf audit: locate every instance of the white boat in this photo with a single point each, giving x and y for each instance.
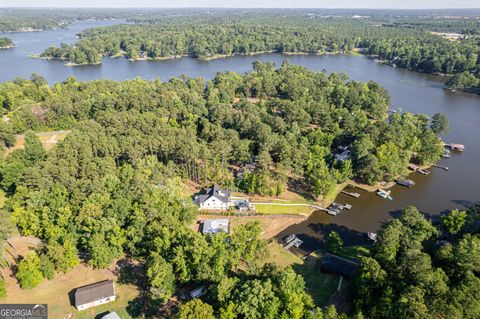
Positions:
(384, 194)
(446, 154)
(372, 236)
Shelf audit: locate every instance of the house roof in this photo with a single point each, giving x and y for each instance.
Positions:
(222, 195)
(94, 292)
(215, 225)
(339, 265)
(111, 315)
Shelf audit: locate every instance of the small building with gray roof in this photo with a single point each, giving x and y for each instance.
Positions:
(95, 294)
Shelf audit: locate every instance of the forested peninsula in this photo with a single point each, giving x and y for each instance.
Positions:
(410, 44)
(117, 185)
(6, 43)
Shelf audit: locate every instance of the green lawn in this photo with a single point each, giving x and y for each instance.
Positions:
(320, 285)
(271, 209)
(125, 293)
(281, 256)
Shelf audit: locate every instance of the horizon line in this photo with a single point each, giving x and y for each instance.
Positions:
(221, 7)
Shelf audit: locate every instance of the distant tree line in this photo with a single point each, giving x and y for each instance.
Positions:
(409, 45)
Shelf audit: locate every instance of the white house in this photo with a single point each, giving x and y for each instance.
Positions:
(95, 294)
(213, 198)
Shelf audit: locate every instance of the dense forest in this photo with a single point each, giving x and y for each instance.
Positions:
(6, 43)
(205, 36)
(464, 82)
(420, 270)
(116, 184)
(292, 131)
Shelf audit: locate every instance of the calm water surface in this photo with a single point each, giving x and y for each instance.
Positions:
(410, 91)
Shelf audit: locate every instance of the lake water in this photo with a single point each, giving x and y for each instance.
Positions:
(411, 91)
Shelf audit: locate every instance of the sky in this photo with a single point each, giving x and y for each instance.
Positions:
(403, 4)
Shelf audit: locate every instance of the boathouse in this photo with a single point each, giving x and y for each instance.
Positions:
(339, 265)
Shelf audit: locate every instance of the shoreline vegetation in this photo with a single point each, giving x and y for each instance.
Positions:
(6, 43)
(173, 57)
(208, 38)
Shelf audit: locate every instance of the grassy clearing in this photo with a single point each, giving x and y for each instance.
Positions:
(319, 285)
(281, 256)
(57, 293)
(48, 140)
(272, 209)
(355, 252)
(125, 294)
(3, 198)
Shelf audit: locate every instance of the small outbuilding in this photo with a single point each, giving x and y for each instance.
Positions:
(198, 292)
(95, 294)
(111, 315)
(339, 265)
(213, 226)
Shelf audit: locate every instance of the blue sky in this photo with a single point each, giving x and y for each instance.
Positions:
(247, 3)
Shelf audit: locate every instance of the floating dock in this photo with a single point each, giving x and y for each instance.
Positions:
(330, 211)
(417, 168)
(295, 243)
(290, 238)
(355, 195)
(405, 182)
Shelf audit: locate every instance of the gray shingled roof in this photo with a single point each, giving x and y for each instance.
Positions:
(111, 315)
(339, 265)
(213, 191)
(94, 292)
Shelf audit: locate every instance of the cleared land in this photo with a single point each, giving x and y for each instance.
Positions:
(48, 140)
(274, 208)
(57, 293)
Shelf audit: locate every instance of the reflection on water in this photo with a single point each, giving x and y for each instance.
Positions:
(411, 91)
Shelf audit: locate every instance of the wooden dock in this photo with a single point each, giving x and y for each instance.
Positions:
(417, 168)
(296, 243)
(330, 211)
(352, 194)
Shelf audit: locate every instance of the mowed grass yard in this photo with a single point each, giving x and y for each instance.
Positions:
(272, 209)
(57, 293)
(288, 203)
(320, 285)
